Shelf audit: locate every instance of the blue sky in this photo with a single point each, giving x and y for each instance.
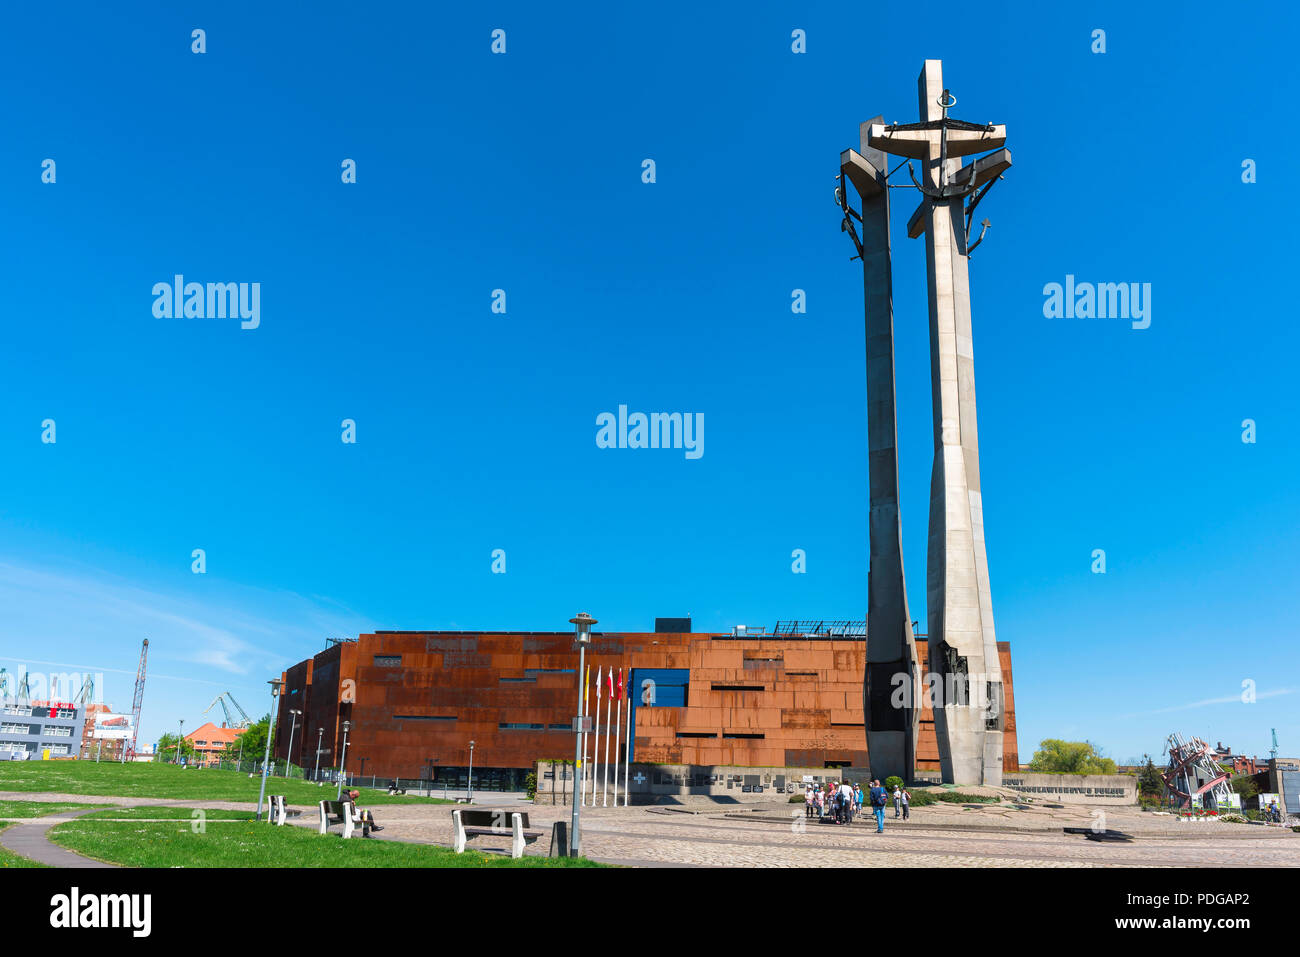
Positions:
(476, 431)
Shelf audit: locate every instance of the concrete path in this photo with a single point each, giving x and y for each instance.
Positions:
(29, 838)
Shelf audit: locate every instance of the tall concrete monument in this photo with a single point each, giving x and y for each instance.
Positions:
(892, 669)
(965, 677)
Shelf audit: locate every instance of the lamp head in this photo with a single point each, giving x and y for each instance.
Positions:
(582, 623)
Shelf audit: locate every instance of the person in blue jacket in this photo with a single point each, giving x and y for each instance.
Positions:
(878, 801)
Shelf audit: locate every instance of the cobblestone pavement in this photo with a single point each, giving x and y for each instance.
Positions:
(778, 836)
(772, 838)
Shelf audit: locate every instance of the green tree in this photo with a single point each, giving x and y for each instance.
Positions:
(166, 749)
(252, 742)
(893, 781)
(1055, 756)
(1149, 779)
(1244, 785)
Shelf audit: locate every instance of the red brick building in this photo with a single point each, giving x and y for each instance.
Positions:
(415, 700)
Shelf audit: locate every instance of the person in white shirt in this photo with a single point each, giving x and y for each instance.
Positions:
(846, 796)
(898, 800)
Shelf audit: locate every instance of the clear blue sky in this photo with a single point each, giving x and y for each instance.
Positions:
(476, 431)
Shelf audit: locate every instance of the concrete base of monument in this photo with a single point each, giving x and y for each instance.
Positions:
(724, 785)
(717, 785)
(1092, 789)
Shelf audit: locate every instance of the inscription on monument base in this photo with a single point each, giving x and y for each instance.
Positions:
(1076, 788)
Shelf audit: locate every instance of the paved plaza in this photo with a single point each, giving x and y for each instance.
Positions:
(778, 835)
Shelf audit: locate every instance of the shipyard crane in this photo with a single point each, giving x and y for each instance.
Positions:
(1272, 752)
(138, 700)
(243, 722)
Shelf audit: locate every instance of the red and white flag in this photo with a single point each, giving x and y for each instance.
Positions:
(611, 683)
(619, 695)
(598, 671)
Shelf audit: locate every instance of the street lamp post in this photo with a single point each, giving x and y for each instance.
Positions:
(582, 636)
(266, 757)
(292, 728)
(343, 760)
(180, 736)
(469, 791)
(316, 774)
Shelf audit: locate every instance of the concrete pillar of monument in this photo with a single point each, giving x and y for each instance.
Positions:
(969, 706)
(889, 695)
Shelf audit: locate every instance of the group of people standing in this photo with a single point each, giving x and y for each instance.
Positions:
(838, 800)
(841, 801)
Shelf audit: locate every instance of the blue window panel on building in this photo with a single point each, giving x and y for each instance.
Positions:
(655, 688)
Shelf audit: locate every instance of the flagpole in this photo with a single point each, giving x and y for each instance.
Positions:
(595, 747)
(627, 755)
(580, 782)
(618, 735)
(609, 706)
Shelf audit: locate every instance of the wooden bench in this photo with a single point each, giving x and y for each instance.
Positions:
(339, 812)
(471, 824)
(277, 812)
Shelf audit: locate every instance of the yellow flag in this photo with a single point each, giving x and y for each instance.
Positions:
(586, 686)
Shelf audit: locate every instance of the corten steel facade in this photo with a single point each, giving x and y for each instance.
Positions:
(416, 699)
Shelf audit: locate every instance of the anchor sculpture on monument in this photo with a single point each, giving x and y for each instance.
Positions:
(965, 678)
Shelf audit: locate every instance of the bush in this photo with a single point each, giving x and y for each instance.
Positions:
(795, 799)
(957, 797)
(1233, 819)
(922, 799)
(530, 785)
(893, 781)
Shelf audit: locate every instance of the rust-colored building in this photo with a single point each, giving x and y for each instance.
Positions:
(415, 700)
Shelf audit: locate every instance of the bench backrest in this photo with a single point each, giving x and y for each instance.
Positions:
(336, 808)
(499, 819)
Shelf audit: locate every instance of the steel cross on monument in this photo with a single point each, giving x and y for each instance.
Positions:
(969, 714)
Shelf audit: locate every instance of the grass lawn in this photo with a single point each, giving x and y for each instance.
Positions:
(146, 812)
(235, 844)
(169, 781)
(38, 808)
